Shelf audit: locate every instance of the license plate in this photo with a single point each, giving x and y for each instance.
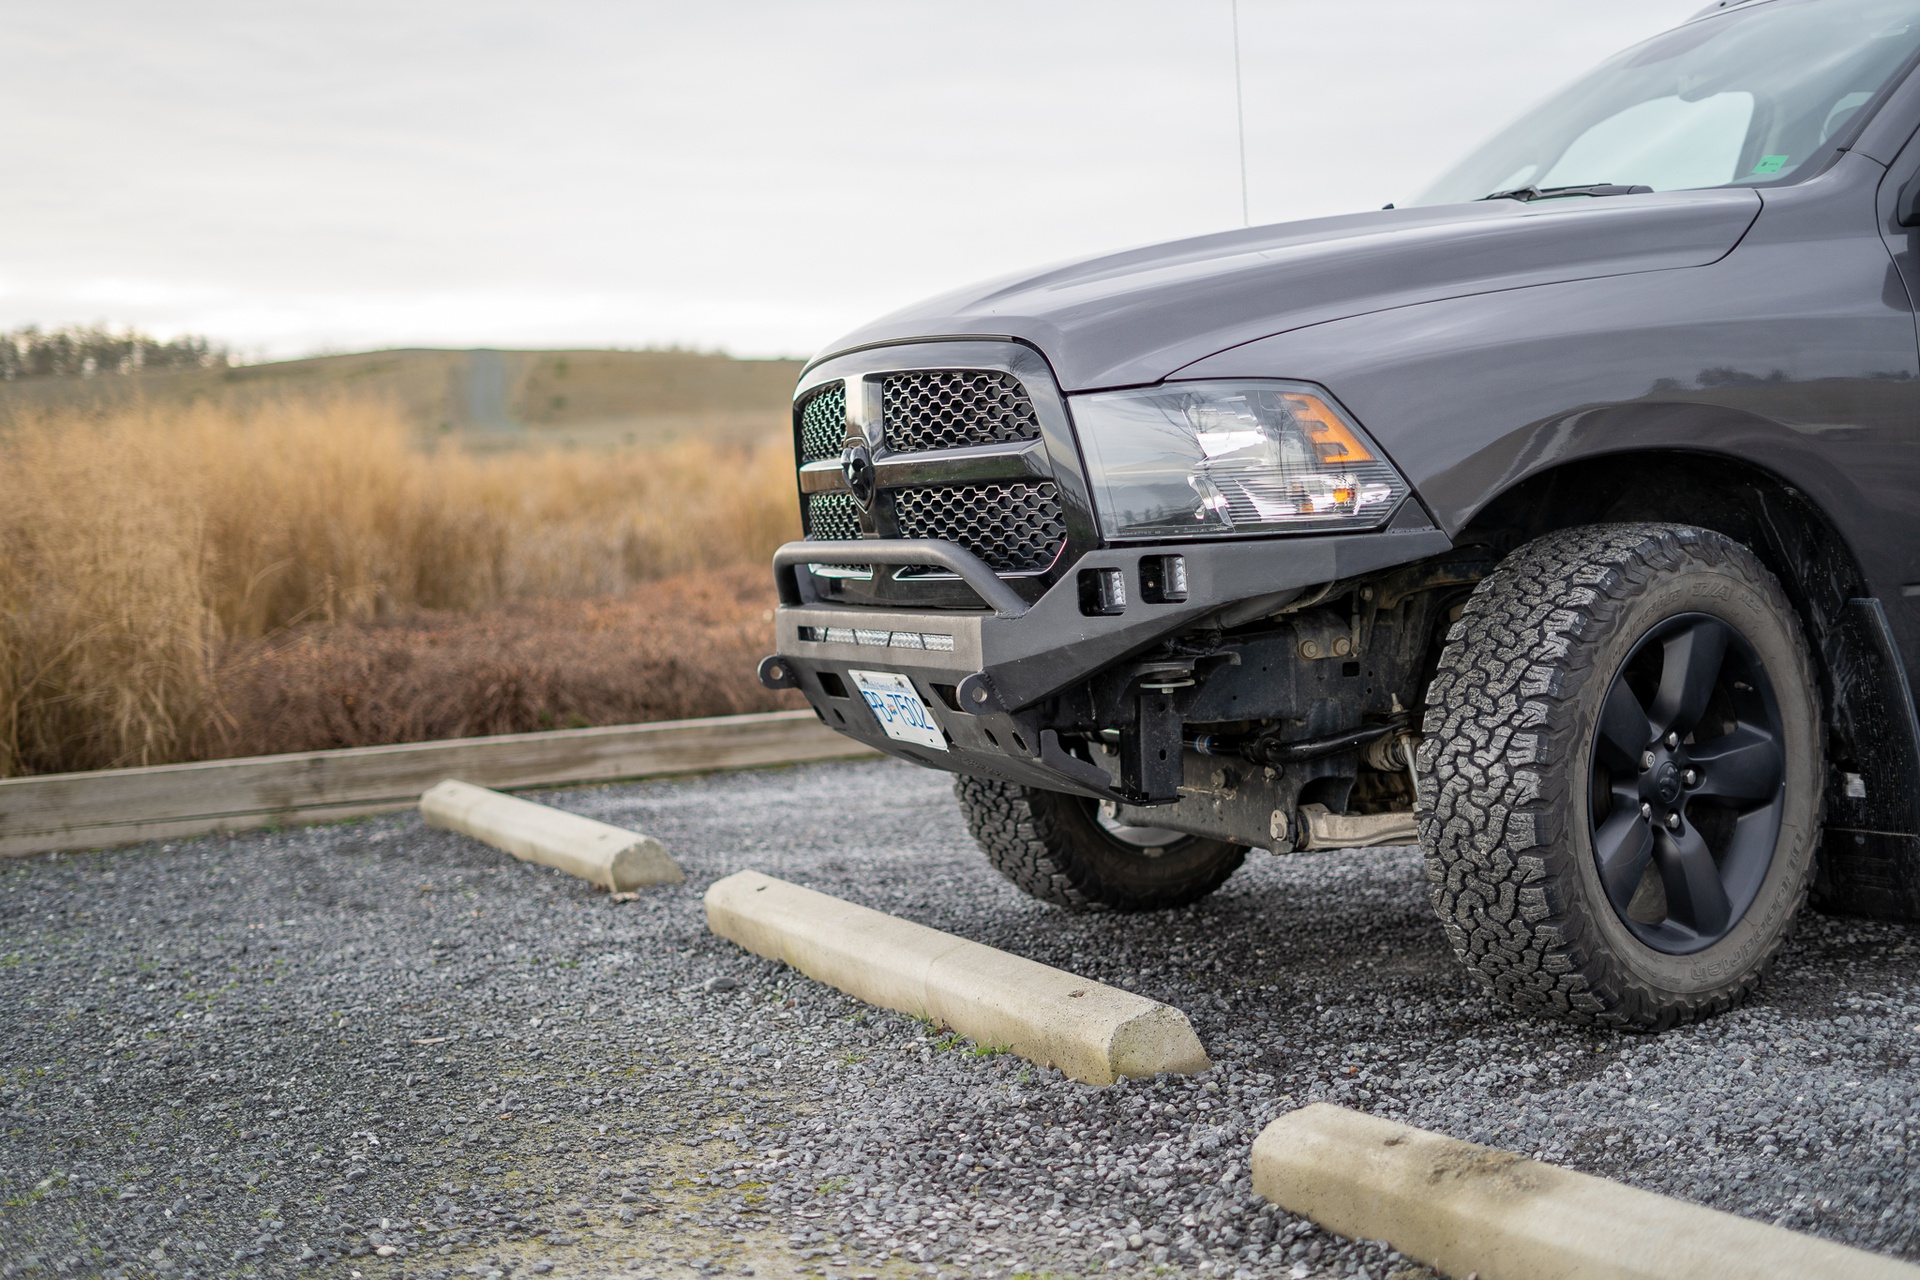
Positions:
(898, 707)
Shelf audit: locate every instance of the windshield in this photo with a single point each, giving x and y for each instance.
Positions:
(1746, 96)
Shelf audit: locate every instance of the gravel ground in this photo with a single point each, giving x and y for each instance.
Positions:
(383, 1050)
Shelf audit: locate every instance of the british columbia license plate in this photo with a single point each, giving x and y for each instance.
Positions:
(897, 705)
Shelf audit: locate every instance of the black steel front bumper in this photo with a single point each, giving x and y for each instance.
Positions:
(981, 671)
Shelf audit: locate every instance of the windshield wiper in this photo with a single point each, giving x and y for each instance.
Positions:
(1550, 193)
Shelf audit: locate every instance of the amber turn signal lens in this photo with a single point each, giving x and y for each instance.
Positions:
(1333, 440)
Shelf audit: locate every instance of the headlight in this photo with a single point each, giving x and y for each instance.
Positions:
(1195, 459)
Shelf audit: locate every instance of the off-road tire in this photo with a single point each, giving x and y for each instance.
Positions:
(1053, 847)
(1509, 740)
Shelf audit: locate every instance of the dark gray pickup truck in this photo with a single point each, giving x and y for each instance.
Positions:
(1566, 520)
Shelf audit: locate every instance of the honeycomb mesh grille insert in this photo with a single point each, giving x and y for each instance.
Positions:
(823, 423)
(832, 517)
(947, 408)
(1015, 527)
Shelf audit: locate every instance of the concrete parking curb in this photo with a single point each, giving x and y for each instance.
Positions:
(1462, 1208)
(1094, 1033)
(619, 859)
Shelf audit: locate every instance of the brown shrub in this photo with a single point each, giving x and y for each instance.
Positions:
(137, 548)
(684, 646)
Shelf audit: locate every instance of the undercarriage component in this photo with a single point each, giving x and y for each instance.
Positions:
(1150, 755)
(1325, 829)
(1270, 749)
(1243, 803)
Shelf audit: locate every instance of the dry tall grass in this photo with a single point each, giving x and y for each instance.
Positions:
(138, 548)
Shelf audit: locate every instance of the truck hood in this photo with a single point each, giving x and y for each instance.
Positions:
(1130, 318)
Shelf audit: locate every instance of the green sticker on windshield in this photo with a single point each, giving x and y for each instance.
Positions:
(1770, 164)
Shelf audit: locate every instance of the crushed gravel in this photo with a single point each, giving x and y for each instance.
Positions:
(381, 1049)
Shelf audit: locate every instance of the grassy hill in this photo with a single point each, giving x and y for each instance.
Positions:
(486, 399)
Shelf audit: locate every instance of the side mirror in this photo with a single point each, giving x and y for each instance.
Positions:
(1906, 209)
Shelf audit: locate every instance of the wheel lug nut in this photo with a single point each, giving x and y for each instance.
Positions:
(1691, 778)
(1646, 761)
(1673, 740)
(1673, 822)
(1646, 810)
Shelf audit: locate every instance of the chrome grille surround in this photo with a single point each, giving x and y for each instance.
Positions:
(950, 408)
(1016, 527)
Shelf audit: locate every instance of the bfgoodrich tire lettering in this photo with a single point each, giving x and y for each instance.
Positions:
(1512, 748)
(1055, 848)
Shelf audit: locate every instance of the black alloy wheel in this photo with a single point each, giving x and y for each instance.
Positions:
(1688, 784)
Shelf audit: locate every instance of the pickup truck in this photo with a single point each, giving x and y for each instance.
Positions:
(1564, 519)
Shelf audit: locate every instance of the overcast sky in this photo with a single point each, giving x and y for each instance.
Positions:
(757, 177)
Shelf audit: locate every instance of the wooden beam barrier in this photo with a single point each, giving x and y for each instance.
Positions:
(69, 811)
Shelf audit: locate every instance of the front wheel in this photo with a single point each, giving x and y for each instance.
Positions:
(1065, 850)
(1622, 766)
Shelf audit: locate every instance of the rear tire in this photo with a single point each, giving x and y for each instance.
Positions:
(1622, 772)
(1059, 849)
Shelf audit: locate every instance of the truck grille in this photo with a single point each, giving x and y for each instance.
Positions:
(1013, 521)
(832, 517)
(1014, 527)
(947, 408)
(823, 423)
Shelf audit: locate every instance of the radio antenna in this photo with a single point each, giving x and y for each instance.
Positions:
(1240, 115)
